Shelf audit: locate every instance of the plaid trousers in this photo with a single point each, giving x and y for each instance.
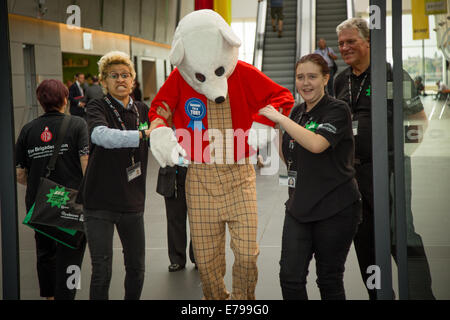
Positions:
(216, 195)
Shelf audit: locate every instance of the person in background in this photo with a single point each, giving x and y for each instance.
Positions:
(76, 96)
(324, 206)
(94, 91)
(87, 82)
(176, 213)
(352, 85)
(276, 13)
(328, 54)
(53, 258)
(176, 208)
(442, 91)
(420, 87)
(137, 93)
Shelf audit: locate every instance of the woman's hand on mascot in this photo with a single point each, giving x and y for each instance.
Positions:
(271, 113)
(165, 113)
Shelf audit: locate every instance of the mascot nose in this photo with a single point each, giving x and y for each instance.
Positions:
(220, 99)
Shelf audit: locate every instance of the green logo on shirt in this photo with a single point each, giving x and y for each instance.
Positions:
(312, 126)
(143, 126)
(368, 91)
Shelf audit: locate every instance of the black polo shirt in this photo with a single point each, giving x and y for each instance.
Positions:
(106, 185)
(360, 105)
(325, 182)
(34, 149)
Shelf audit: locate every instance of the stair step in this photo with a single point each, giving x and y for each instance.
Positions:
(279, 46)
(278, 66)
(286, 34)
(280, 53)
(279, 74)
(278, 60)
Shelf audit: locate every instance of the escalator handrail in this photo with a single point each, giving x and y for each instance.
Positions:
(259, 36)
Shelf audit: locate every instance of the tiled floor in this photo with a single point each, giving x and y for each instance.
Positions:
(431, 207)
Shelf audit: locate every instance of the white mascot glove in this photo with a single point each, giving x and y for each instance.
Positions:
(165, 147)
(260, 135)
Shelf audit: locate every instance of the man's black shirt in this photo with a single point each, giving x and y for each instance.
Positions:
(362, 110)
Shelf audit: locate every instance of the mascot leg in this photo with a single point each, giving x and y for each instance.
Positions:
(207, 230)
(242, 223)
(216, 195)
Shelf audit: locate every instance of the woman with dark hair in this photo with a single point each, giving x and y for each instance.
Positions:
(324, 206)
(34, 149)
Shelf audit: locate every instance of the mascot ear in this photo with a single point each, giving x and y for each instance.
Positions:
(230, 36)
(177, 53)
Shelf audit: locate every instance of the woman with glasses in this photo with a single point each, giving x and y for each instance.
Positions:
(113, 191)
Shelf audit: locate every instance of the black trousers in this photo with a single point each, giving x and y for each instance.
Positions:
(99, 226)
(176, 212)
(53, 259)
(419, 277)
(329, 240)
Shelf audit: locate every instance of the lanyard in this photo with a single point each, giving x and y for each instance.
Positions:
(122, 123)
(291, 146)
(359, 91)
(118, 116)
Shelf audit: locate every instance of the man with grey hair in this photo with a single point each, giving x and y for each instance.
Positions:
(353, 86)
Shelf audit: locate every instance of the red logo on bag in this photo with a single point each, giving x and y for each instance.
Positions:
(46, 136)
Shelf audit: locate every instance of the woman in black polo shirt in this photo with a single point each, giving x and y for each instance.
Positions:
(324, 206)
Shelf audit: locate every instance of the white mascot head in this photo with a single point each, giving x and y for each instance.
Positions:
(205, 50)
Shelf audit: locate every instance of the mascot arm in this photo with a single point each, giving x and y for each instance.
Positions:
(264, 91)
(163, 142)
(167, 95)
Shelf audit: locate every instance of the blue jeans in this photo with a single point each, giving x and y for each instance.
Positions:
(99, 227)
(329, 240)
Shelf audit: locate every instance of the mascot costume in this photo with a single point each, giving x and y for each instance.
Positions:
(214, 100)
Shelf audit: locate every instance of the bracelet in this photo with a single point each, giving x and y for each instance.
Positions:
(144, 136)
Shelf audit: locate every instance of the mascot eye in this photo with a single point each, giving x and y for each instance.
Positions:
(200, 77)
(220, 71)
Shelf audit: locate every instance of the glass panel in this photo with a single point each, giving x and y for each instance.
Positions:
(245, 29)
(426, 165)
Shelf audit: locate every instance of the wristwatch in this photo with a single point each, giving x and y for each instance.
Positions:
(144, 136)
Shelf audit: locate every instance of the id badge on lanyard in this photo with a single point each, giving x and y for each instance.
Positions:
(134, 170)
(353, 104)
(289, 179)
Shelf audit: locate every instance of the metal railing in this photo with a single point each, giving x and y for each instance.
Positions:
(350, 9)
(259, 37)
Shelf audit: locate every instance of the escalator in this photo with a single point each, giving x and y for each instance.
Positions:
(305, 21)
(279, 53)
(329, 14)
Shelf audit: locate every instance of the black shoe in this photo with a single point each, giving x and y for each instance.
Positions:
(174, 267)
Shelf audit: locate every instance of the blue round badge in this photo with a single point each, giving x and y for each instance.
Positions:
(196, 111)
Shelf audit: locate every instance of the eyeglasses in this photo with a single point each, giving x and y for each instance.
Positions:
(349, 43)
(115, 76)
